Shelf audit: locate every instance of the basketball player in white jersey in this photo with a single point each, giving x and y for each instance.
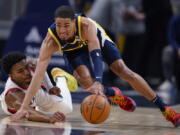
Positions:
(50, 104)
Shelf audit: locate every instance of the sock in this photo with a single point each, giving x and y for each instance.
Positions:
(109, 91)
(158, 102)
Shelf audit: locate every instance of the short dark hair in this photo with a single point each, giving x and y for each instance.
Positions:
(10, 59)
(64, 12)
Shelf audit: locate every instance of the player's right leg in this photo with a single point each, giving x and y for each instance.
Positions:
(83, 76)
(138, 83)
(82, 69)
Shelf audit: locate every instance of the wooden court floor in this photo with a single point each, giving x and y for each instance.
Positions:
(144, 121)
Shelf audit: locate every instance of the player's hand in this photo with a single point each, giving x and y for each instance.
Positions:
(96, 88)
(21, 113)
(55, 91)
(57, 117)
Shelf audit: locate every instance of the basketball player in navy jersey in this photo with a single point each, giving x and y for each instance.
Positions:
(81, 39)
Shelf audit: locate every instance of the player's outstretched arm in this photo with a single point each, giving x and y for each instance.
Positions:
(14, 100)
(40, 117)
(90, 34)
(48, 47)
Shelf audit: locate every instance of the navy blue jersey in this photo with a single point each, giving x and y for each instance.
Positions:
(76, 50)
(78, 42)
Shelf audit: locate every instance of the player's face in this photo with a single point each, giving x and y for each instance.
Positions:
(20, 74)
(65, 28)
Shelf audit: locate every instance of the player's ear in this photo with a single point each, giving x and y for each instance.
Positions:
(11, 75)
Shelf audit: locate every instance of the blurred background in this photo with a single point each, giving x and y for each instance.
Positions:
(147, 34)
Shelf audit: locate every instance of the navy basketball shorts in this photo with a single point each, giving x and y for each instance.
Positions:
(82, 58)
(110, 54)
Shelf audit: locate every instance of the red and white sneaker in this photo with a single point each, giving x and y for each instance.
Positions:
(172, 116)
(126, 103)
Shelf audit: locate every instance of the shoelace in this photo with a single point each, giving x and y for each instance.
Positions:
(169, 114)
(119, 100)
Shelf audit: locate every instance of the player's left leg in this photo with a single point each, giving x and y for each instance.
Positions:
(140, 85)
(116, 64)
(136, 81)
(111, 54)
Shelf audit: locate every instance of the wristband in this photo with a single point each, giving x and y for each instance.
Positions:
(96, 57)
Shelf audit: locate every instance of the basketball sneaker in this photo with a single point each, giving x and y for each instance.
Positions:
(126, 103)
(172, 116)
(71, 81)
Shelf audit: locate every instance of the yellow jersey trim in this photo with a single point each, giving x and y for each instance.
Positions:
(79, 27)
(56, 40)
(72, 49)
(105, 34)
(75, 47)
(101, 28)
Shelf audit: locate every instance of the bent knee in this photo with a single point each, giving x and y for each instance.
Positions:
(83, 77)
(85, 82)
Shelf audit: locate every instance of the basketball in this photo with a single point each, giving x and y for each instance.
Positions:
(95, 109)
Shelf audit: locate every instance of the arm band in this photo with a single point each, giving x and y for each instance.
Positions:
(98, 64)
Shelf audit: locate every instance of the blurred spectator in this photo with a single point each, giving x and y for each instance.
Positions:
(108, 14)
(175, 6)
(82, 6)
(171, 56)
(124, 23)
(158, 14)
(131, 36)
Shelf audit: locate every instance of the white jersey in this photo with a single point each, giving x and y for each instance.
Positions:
(42, 100)
(9, 86)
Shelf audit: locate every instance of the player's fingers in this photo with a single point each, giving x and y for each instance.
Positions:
(27, 115)
(91, 89)
(87, 90)
(60, 116)
(17, 116)
(100, 92)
